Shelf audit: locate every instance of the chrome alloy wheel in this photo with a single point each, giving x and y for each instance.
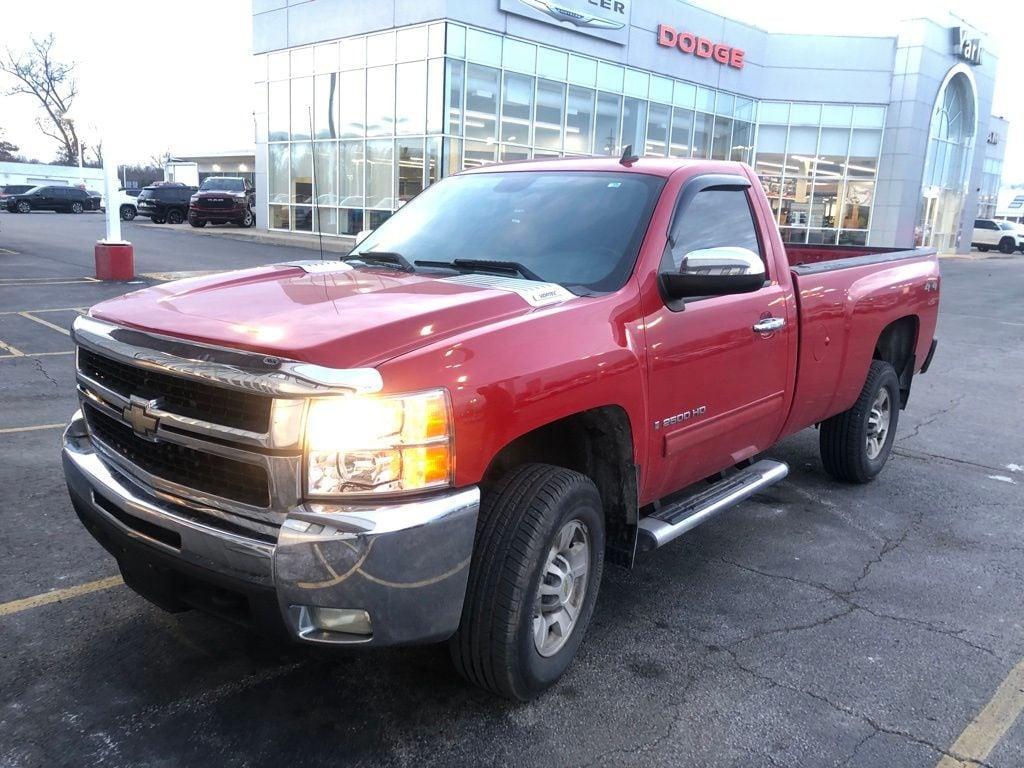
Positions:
(878, 423)
(562, 588)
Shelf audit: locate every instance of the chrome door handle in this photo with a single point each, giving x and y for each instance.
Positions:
(769, 324)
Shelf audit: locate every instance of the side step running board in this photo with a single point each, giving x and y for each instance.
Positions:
(677, 518)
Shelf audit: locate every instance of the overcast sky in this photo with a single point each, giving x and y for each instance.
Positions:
(177, 76)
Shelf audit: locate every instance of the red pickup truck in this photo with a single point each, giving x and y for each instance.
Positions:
(527, 372)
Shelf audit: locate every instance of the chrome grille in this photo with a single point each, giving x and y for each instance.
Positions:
(194, 399)
(218, 475)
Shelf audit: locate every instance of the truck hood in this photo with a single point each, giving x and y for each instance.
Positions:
(334, 315)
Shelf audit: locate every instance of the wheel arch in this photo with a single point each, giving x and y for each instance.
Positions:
(896, 344)
(599, 444)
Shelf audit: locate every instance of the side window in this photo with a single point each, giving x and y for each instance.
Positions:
(60, 193)
(979, 224)
(714, 218)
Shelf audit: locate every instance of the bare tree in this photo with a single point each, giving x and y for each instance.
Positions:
(159, 159)
(97, 154)
(52, 83)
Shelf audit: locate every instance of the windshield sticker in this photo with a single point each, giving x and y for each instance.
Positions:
(535, 294)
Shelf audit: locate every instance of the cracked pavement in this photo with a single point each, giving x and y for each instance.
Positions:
(815, 625)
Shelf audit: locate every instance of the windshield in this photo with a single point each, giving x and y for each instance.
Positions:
(579, 229)
(222, 185)
(1006, 225)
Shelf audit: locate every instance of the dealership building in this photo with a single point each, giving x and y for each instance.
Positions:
(359, 104)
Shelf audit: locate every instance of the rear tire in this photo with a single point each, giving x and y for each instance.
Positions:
(1007, 245)
(539, 541)
(174, 216)
(983, 248)
(127, 213)
(856, 443)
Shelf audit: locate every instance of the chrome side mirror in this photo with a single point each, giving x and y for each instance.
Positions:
(715, 271)
(362, 235)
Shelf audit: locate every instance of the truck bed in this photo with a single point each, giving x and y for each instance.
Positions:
(846, 297)
(810, 259)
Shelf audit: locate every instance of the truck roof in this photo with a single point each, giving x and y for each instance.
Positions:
(652, 166)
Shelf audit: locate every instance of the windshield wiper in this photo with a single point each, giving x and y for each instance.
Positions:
(496, 265)
(388, 259)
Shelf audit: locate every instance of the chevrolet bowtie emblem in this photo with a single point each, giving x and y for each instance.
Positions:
(139, 416)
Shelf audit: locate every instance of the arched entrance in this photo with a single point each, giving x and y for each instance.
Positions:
(947, 164)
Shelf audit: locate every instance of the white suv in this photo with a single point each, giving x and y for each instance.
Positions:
(1004, 235)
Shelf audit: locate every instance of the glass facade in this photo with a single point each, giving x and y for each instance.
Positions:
(988, 194)
(946, 168)
(358, 126)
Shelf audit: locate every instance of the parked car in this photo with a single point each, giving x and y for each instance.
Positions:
(96, 200)
(12, 189)
(164, 203)
(221, 199)
(127, 204)
(1004, 235)
(526, 372)
(64, 199)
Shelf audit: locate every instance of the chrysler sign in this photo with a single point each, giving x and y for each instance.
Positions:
(689, 43)
(607, 19)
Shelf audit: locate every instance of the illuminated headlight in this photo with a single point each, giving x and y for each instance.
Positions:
(369, 445)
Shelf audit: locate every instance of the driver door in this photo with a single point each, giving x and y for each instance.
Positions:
(718, 365)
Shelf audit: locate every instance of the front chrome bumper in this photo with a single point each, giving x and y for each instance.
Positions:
(405, 563)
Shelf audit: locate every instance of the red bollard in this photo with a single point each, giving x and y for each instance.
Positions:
(115, 261)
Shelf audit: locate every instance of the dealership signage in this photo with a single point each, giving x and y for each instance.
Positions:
(967, 48)
(692, 44)
(606, 19)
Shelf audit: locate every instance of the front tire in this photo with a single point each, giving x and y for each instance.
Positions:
(1006, 245)
(127, 213)
(197, 223)
(246, 221)
(533, 580)
(856, 443)
(24, 207)
(76, 207)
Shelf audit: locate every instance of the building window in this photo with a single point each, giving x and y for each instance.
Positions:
(409, 154)
(658, 117)
(481, 103)
(380, 101)
(549, 114)
(517, 108)
(379, 167)
(579, 120)
(606, 125)
(634, 124)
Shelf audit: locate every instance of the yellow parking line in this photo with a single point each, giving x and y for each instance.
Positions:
(14, 351)
(47, 323)
(984, 732)
(57, 595)
(36, 354)
(12, 430)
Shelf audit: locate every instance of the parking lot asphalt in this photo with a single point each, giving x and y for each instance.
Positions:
(815, 625)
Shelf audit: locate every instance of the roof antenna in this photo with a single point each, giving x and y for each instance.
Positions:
(628, 158)
(316, 197)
